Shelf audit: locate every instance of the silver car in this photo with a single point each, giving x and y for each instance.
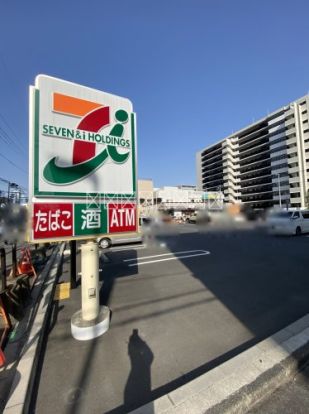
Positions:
(108, 241)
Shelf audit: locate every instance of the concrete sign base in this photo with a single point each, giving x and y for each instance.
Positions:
(85, 330)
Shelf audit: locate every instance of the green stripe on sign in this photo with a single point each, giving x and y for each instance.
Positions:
(57, 174)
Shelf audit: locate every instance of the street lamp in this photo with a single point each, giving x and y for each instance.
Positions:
(279, 189)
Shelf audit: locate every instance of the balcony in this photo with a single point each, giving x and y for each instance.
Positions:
(280, 170)
(253, 166)
(293, 170)
(263, 201)
(306, 135)
(211, 160)
(294, 180)
(295, 201)
(210, 171)
(251, 145)
(211, 152)
(212, 180)
(294, 190)
(292, 150)
(252, 132)
(258, 154)
(290, 122)
(253, 172)
(217, 158)
(288, 132)
(257, 193)
(280, 144)
(255, 148)
(257, 185)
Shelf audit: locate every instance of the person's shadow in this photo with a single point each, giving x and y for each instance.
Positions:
(138, 386)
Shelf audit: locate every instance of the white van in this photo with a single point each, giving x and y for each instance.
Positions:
(288, 222)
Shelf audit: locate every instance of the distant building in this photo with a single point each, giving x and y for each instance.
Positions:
(145, 197)
(174, 198)
(263, 165)
(182, 198)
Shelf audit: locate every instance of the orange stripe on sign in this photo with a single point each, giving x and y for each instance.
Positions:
(73, 106)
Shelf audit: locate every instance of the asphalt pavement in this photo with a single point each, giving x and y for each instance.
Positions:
(180, 307)
(291, 398)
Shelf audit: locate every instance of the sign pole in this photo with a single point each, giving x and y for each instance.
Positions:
(73, 263)
(92, 320)
(3, 268)
(14, 260)
(90, 280)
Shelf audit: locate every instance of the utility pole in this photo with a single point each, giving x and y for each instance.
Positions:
(9, 186)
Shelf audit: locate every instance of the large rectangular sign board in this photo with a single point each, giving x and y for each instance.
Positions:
(82, 163)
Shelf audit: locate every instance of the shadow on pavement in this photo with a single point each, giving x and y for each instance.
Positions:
(139, 380)
(138, 384)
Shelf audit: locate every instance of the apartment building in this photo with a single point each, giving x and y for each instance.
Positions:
(263, 165)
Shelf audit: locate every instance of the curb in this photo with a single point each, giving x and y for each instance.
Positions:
(20, 394)
(238, 384)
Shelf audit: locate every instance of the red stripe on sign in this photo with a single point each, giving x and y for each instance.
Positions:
(83, 151)
(93, 122)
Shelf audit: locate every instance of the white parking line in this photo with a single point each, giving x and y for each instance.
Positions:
(164, 254)
(124, 248)
(138, 263)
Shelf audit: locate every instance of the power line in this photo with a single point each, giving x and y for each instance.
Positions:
(16, 139)
(8, 126)
(13, 163)
(7, 140)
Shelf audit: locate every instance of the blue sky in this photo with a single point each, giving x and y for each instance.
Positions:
(195, 70)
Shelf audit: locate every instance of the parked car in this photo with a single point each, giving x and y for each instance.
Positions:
(288, 222)
(192, 219)
(108, 241)
(201, 217)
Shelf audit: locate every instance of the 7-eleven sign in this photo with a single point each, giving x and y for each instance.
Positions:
(82, 142)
